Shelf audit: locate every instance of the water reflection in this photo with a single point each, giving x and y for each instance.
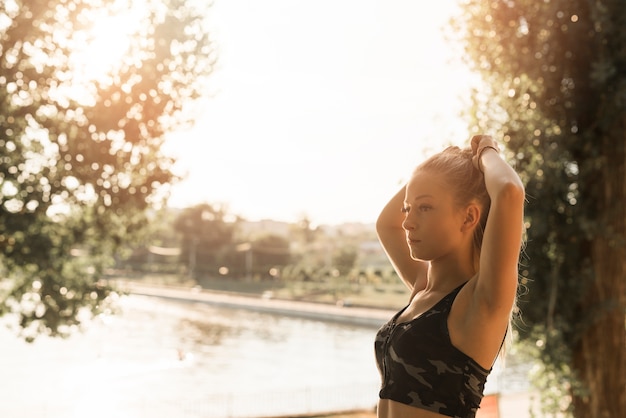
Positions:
(160, 359)
(202, 333)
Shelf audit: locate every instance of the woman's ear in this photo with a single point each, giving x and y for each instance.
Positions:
(472, 217)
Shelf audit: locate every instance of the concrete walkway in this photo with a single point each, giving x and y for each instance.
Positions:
(371, 317)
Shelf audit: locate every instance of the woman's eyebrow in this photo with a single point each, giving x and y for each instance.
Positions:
(422, 196)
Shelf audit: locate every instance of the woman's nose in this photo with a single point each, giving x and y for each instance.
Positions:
(407, 224)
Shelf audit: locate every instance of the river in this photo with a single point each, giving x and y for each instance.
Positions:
(158, 358)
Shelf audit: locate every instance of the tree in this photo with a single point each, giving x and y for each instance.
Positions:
(206, 235)
(555, 91)
(270, 251)
(344, 259)
(304, 231)
(81, 159)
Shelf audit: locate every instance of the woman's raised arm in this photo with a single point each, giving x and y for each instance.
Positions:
(394, 241)
(499, 257)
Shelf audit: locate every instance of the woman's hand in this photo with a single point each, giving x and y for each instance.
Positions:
(480, 143)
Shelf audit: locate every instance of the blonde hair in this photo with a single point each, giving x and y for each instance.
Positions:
(466, 181)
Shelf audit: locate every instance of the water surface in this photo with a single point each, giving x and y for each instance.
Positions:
(161, 359)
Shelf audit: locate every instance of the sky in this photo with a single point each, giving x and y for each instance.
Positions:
(320, 109)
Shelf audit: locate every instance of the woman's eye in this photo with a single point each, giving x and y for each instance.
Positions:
(425, 208)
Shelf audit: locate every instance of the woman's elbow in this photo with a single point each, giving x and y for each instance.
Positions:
(512, 192)
(384, 224)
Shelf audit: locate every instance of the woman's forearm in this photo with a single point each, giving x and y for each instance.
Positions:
(393, 240)
(391, 216)
(499, 176)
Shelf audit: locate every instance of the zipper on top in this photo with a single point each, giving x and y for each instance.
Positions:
(392, 328)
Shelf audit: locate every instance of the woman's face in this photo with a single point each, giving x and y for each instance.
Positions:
(432, 219)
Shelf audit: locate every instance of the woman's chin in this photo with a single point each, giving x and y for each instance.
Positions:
(417, 256)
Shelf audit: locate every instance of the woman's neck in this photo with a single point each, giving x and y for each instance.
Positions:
(445, 275)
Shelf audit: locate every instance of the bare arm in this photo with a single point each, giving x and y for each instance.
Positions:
(498, 271)
(393, 240)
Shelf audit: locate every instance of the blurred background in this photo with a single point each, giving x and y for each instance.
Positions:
(188, 193)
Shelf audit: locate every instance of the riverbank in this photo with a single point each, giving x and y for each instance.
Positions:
(356, 315)
(382, 295)
(362, 316)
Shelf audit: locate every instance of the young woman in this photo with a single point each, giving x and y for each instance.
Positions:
(453, 235)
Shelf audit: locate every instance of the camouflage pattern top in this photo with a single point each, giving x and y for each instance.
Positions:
(420, 367)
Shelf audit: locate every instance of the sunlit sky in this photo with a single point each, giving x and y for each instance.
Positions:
(320, 108)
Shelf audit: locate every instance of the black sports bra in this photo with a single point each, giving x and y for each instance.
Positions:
(420, 367)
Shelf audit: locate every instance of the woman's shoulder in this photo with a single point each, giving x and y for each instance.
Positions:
(471, 331)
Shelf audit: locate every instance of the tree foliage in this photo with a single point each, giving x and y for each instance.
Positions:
(344, 259)
(554, 75)
(81, 160)
(269, 251)
(206, 237)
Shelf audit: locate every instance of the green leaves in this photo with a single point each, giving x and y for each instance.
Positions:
(81, 154)
(554, 73)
